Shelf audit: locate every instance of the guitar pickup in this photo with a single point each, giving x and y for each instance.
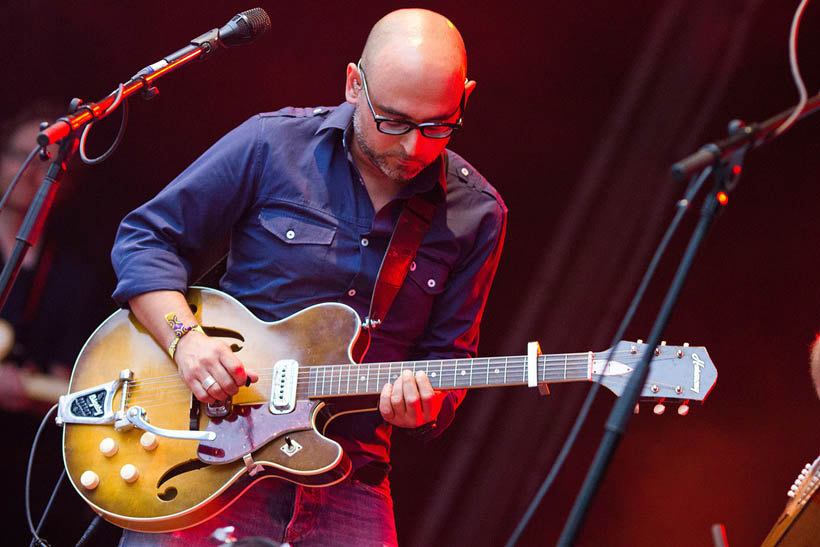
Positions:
(283, 387)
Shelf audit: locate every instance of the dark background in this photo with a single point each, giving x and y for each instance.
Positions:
(579, 111)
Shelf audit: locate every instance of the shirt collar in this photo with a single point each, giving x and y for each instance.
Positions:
(341, 118)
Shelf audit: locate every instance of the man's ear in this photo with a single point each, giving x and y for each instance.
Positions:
(469, 87)
(353, 84)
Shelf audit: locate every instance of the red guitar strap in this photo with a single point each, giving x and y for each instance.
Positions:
(413, 224)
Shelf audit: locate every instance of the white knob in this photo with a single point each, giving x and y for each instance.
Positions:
(659, 408)
(89, 480)
(683, 410)
(129, 473)
(148, 441)
(108, 447)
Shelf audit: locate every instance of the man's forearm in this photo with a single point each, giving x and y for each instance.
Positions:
(151, 309)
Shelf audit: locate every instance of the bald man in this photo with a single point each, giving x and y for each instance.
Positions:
(310, 197)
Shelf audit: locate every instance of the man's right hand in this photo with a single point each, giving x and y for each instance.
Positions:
(202, 359)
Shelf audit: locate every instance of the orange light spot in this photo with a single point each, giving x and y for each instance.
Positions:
(722, 198)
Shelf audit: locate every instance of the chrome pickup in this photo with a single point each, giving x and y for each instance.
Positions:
(283, 388)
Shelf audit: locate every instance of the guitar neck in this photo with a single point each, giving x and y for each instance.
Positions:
(446, 374)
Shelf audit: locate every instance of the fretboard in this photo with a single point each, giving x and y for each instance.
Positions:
(369, 378)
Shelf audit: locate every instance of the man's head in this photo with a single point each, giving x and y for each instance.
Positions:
(17, 138)
(414, 67)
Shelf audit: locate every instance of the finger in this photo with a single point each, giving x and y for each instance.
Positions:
(200, 393)
(411, 394)
(236, 369)
(384, 402)
(426, 394)
(397, 396)
(221, 390)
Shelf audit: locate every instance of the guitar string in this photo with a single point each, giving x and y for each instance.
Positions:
(341, 375)
(478, 361)
(621, 381)
(352, 369)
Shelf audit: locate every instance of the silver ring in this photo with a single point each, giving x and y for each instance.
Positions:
(208, 382)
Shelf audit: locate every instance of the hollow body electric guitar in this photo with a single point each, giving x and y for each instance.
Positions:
(148, 456)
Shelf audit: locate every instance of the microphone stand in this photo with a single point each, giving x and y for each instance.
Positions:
(727, 157)
(66, 131)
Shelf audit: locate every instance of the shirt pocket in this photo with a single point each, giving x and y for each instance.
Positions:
(428, 276)
(408, 315)
(299, 247)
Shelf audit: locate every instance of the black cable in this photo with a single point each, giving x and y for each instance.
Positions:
(117, 139)
(36, 540)
(95, 522)
(682, 206)
(17, 176)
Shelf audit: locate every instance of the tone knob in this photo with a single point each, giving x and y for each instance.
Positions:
(129, 473)
(148, 441)
(108, 447)
(89, 480)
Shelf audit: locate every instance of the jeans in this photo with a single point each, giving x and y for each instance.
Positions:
(347, 514)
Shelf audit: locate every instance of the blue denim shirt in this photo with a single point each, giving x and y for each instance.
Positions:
(303, 231)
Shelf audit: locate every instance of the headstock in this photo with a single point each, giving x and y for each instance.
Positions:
(676, 373)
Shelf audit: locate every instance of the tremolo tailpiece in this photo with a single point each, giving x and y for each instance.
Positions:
(95, 406)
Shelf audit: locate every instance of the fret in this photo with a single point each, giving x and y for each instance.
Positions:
(434, 373)
(506, 365)
(367, 381)
(339, 389)
(315, 381)
(566, 356)
(471, 372)
(348, 378)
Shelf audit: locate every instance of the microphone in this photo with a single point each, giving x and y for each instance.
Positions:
(243, 28)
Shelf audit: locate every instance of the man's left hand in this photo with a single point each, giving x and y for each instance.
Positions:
(410, 401)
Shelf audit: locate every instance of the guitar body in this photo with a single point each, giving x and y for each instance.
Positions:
(183, 482)
(206, 457)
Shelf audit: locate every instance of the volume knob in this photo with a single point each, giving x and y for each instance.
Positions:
(89, 480)
(108, 447)
(129, 473)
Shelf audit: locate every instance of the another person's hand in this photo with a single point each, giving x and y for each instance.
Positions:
(209, 368)
(410, 401)
(12, 394)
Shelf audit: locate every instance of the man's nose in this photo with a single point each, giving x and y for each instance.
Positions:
(412, 142)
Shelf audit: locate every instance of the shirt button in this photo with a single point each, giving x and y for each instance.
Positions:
(465, 171)
(413, 266)
(351, 292)
(365, 242)
(431, 283)
(290, 234)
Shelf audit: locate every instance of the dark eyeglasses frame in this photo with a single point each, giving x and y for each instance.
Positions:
(411, 126)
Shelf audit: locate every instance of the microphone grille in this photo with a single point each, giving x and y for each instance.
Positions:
(257, 19)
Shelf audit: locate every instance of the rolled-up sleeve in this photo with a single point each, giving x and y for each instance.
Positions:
(194, 210)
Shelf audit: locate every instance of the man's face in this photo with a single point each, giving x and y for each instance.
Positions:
(18, 146)
(402, 157)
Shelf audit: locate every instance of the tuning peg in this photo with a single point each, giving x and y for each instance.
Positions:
(663, 342)
(637, 408)
(686, 344)
(639, 341)
(683, 409)
(659, 409)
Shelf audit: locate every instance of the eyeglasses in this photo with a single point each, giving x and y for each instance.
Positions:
(391, 126)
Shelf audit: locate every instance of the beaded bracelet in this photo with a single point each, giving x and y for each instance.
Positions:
(180, 330)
